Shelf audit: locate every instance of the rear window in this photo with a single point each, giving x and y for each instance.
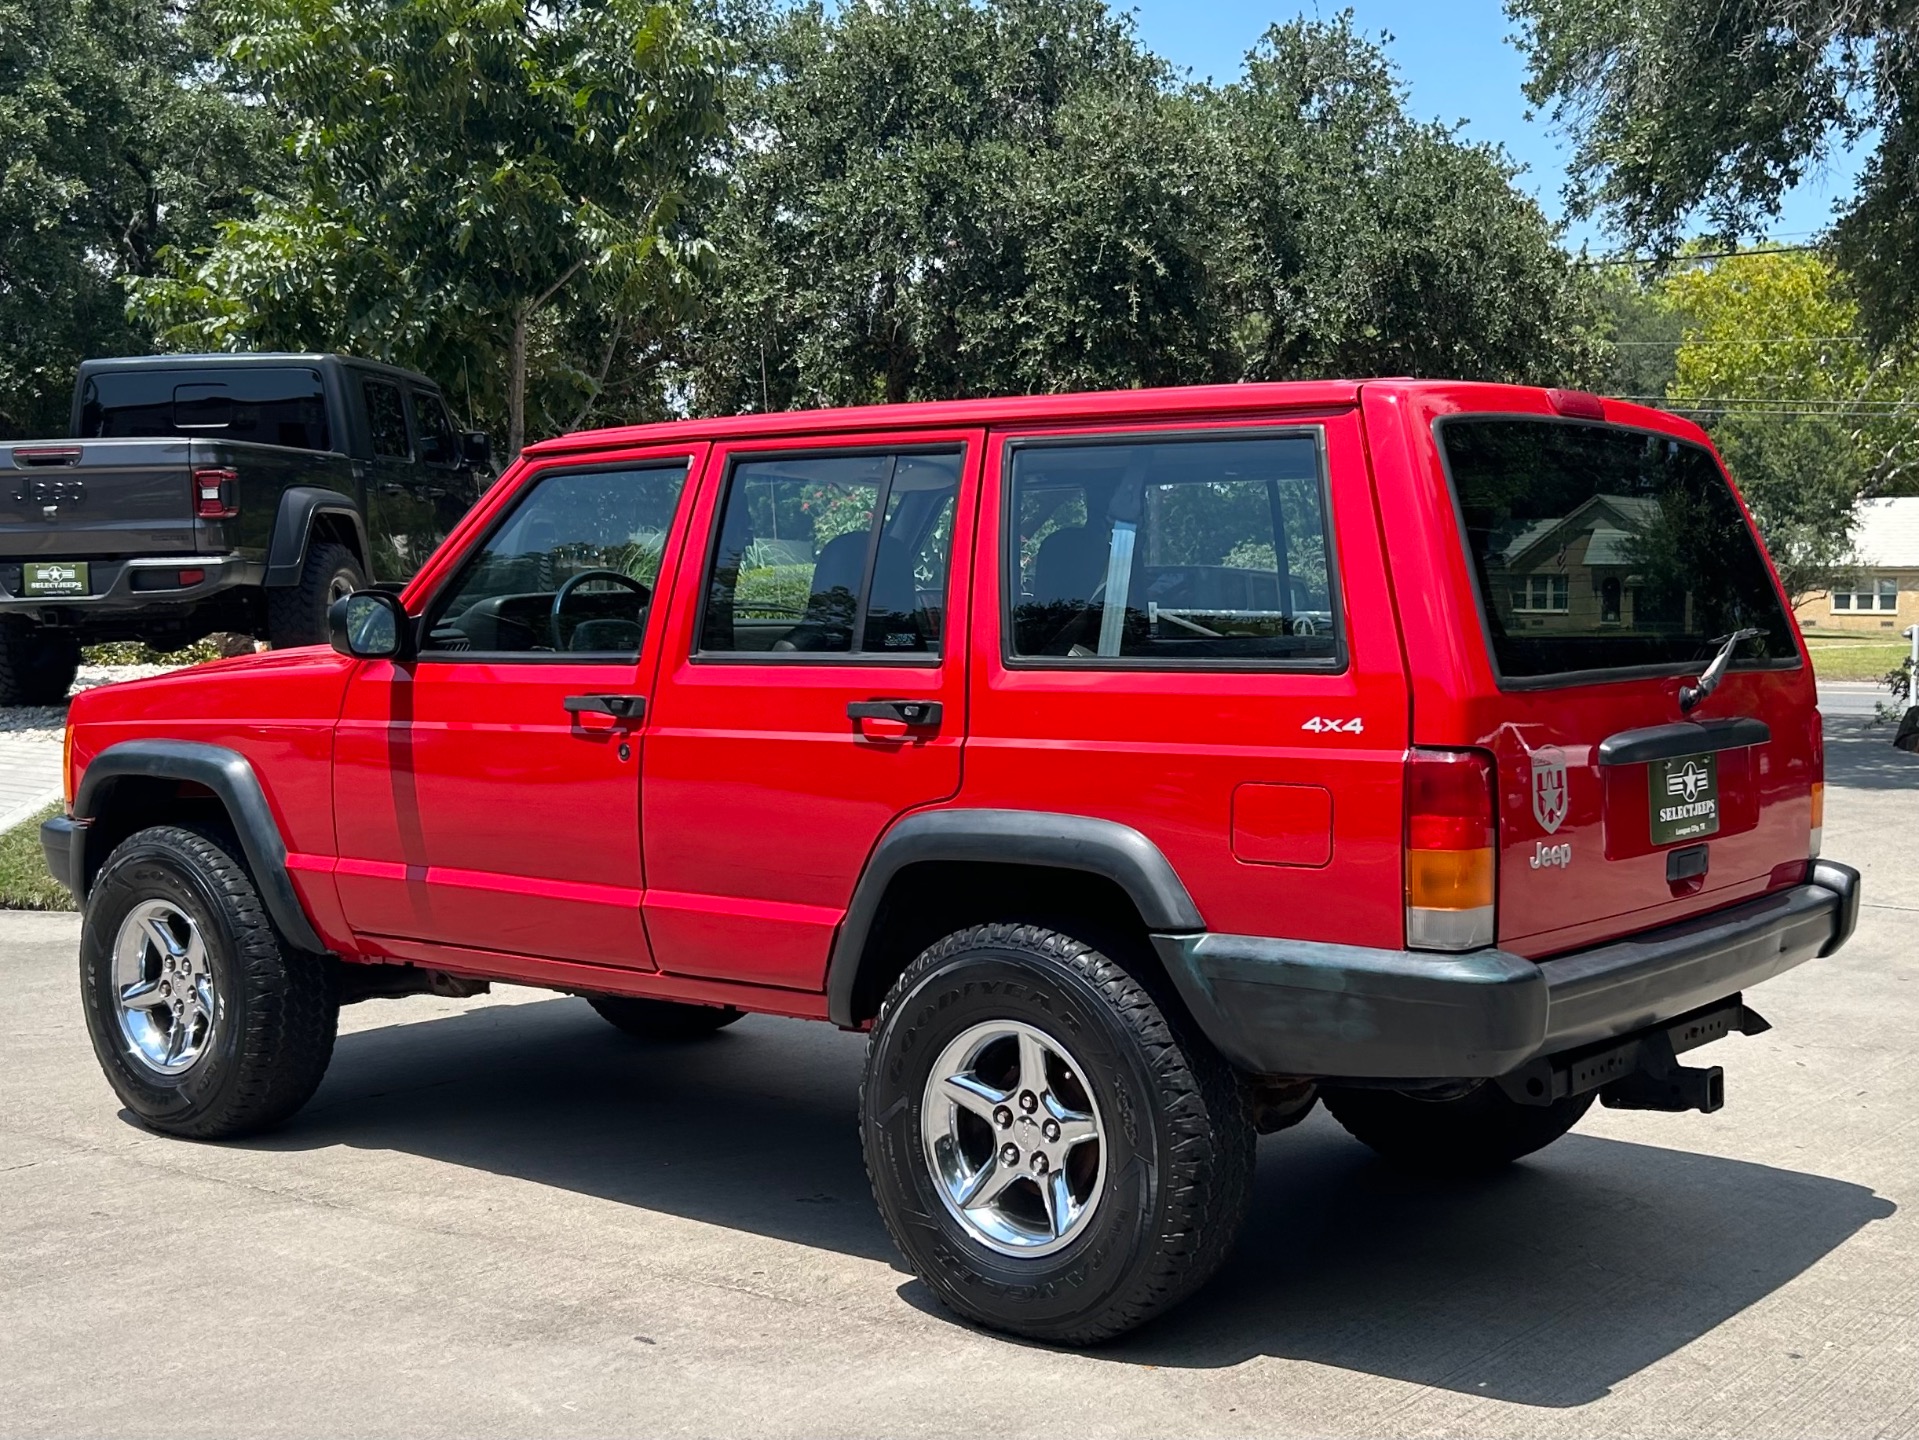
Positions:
(265, 405)
(1599, 549)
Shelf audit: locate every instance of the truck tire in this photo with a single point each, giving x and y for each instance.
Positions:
(1469, 1134)
(663, 1019)
(37, 666)
(296, 614)
(1052, 1155)
(206, 1022)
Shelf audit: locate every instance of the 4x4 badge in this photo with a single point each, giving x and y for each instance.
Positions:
(1549, 788)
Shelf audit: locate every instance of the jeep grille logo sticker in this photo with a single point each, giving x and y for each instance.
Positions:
(1549, 788)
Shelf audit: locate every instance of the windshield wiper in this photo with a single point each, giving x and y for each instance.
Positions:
(1691, 695)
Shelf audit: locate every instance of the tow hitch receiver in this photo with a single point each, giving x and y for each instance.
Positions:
(1641, 1071)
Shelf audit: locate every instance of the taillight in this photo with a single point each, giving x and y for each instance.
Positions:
(1818, 836)
(216, 493)
(66, 767)
(1451, 850)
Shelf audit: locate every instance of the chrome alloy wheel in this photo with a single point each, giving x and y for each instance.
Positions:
(163, 987)
(1013, 1138)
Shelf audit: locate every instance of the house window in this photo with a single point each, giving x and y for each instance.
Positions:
(1543, 592)
(1869, 595)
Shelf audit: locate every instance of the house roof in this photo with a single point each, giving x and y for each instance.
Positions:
(1888, 533)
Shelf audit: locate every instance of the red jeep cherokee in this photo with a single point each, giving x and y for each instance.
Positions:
(1138, 767)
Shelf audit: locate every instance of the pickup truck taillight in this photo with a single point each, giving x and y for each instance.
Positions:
(216, 493)
(1451, 850)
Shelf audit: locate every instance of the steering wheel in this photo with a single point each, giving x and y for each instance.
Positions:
(574, 583)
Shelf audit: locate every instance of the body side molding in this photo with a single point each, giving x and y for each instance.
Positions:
(1006, 837)
(230, 777)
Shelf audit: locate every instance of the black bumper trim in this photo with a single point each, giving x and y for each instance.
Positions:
(1287, 1007)
(63, 840)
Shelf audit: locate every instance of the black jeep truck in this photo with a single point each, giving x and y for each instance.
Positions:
(204, 493)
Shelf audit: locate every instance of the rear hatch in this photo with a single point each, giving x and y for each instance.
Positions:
(1611, 564)
(76, 499)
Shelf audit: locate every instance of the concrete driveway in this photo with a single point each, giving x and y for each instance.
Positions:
(501, 1217)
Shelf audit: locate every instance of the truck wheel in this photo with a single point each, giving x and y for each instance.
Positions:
(663, 1019)
(1475, 1132)
(206, 1024)
(37, 666)
(296, 614)
(1051, 1154)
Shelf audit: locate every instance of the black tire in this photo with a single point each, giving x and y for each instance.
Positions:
(37, 666)
(296, 614)
(1178, 1137)
(1471, 1134)
(276, 1009)
(663, 1019)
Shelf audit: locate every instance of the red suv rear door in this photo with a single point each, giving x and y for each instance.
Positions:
(1579, 565)
(810, 693)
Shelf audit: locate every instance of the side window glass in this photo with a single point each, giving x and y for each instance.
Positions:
(438, 444)
(386, 420)
(1175, 551)
(570, 570)
(832, 554)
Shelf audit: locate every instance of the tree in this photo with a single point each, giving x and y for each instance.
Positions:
(1808, 414)
(1681, 109)
(488, 191)
(933, 198)
(117, 139)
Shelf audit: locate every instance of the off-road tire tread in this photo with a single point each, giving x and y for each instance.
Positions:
(1207, 1173)
(292, 1005)
(296, 614)
(27, 678)
(646, 1019)
(1427, 1136)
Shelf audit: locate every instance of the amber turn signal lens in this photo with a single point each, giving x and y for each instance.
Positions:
(1449, 879)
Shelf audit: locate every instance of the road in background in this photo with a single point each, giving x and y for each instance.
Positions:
(502, 1217)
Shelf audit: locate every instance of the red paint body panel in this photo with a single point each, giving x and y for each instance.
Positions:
(456, 816)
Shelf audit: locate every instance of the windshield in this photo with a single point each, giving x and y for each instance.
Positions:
(1602, 549)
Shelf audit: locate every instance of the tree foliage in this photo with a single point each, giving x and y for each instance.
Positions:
(932, 198)
(1688, 109)
(488, 190)
(116, 140)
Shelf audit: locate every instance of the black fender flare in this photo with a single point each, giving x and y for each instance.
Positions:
(1006, 837)
(230, 777)
(293, 529)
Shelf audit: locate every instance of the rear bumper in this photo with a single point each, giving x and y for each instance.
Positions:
(1283, 1007)
(113, 587)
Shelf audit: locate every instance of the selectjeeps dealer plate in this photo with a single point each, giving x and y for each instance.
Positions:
(1685, 798)
(54, 577)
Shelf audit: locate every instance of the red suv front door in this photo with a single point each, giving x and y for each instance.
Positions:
(813, 692)
(487, 792)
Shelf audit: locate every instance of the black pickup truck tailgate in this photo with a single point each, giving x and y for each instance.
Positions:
(70, 499)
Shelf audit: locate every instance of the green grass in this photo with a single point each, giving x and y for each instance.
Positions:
(1855, 657)
(24, 881)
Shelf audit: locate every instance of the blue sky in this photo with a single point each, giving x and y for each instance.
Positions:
(1455, 60)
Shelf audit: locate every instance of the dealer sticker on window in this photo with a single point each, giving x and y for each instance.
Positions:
(54, 577)
(1685, 798)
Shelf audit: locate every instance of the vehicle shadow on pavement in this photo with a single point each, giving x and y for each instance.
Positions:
(1860, 755)
(1544, 1285)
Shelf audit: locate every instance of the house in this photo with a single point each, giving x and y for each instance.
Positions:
(1583, 572)
(1881, 592)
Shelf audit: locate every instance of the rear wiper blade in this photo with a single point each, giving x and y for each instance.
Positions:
(1691, 695)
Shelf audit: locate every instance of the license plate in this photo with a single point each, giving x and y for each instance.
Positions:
(54, 577)
(1685, 798)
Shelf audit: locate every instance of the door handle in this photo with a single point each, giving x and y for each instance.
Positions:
(920, 714)
(623, 707)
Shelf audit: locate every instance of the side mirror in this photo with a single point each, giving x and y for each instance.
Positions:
(370, 625)
(476, 448)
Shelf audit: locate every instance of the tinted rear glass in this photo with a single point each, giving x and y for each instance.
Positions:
(1598, 549)
(265, 405)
